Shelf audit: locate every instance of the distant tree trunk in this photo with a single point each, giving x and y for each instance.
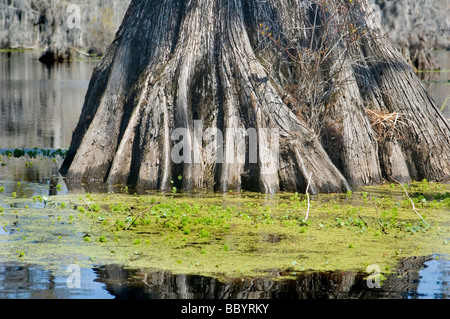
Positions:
(350, 111)
(416, 27)
(58, 28)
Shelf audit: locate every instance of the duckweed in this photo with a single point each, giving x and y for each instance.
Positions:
(251, 232)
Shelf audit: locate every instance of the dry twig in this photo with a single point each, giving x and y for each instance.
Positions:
(412, 203)
(307, 195)
(386, 122)
(142, 213)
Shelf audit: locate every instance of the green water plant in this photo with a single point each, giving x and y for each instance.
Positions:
(241, 231)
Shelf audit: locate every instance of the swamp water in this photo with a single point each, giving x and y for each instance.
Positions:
(41, 235)
(422, 278)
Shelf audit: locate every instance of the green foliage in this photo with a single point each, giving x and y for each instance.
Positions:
(81, 209)
(102, 239)
(49, 153)
(205, 229)
(18, 153)
(204, 233)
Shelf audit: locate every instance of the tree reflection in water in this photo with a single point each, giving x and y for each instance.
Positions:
(140, 284)
(410, 280)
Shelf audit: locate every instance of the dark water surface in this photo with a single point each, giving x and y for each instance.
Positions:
(39, 108)
(415, 278)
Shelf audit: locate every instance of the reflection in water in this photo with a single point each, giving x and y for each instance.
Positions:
(163, 285)
(435, 279)
(405, 283)
(42, 177)
(40, 106)
(438, 83)
(33, 282)
(412, 280)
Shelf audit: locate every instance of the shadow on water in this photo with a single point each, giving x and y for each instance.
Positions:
(415, 278)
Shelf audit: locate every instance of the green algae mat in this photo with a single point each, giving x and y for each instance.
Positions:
(228, 235)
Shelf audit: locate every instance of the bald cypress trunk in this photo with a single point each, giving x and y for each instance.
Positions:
(318, 75)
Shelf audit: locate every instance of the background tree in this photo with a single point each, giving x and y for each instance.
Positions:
(349, 108)
(416, 27)
(43, 24)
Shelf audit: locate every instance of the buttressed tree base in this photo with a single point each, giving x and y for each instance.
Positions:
(349, 109)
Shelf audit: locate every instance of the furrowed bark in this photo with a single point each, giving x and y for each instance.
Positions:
(179, 66)
(424, 134)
